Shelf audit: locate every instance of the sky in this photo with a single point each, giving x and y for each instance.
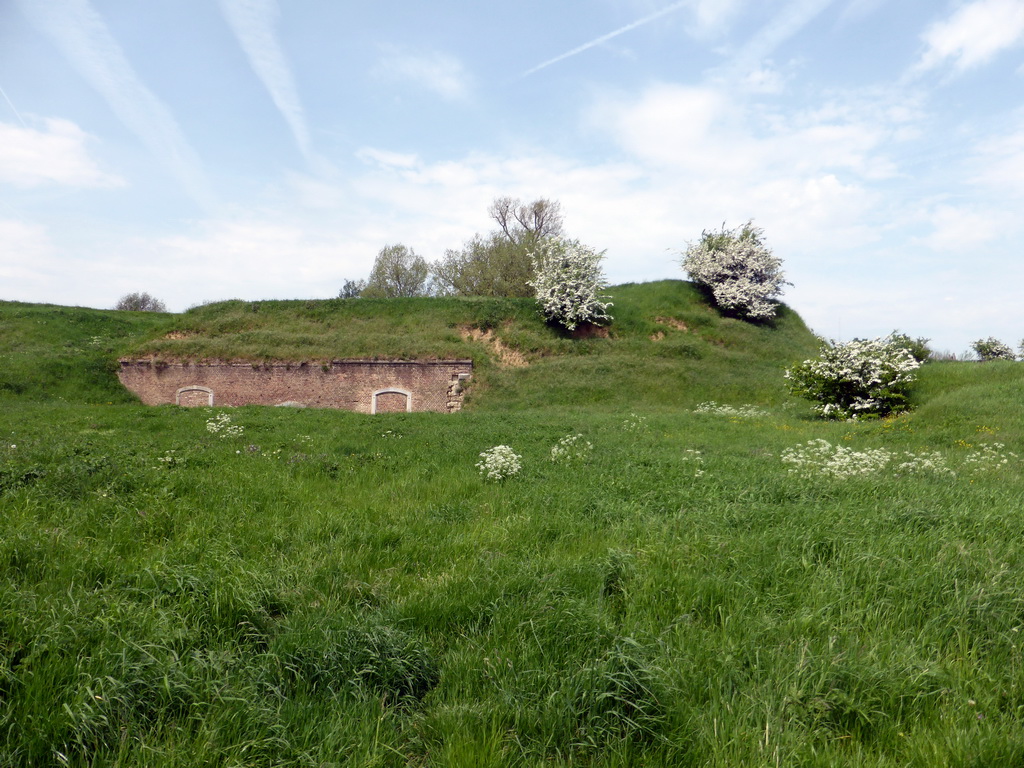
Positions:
(202, 150)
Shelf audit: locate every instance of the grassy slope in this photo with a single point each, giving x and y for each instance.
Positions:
(329, 588)
(713, 357)
(70, 353)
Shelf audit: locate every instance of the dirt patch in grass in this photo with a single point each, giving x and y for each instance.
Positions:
(590, 331)
(671, 322)
(506, 356)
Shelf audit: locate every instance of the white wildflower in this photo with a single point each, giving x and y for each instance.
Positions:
(571, 448)
(499, 463)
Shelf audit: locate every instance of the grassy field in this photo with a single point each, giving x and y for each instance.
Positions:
(323, 588)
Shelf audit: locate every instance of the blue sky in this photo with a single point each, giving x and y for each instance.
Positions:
(213, 149)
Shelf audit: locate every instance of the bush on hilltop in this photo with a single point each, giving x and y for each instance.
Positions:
(738, 269)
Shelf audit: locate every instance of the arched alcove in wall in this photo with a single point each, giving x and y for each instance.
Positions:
(391, 401)
(194, 396)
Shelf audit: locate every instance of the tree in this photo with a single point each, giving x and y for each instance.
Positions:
(992, 349)
(484, 266)
(527, 223)
(738, 269)
(352, 289)
(568, 282)
(498, 264)
(398, 271)
(140, 302)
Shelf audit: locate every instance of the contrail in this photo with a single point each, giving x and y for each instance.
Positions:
(253, 24)
(84, 39)
(791, 20)
(13, 108)
(605, 38)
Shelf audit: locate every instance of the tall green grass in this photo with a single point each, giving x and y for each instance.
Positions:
(334, 589)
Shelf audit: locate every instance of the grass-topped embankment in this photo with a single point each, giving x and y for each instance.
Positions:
(331, 588)
(68, 353)
(666, 345)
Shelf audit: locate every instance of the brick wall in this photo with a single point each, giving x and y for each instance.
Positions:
(365, 386)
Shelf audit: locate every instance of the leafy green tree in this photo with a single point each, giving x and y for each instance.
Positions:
(490, 265)
(352, 289)
(140, 302)
(398, 271)
(498, 264)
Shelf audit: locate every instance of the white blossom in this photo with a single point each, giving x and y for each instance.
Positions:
(858, 378)
(819, 457)
(568, 282)
(499, 463)
(732, 411)
(221, 426)
(571, 448)
(738, 269)
(993, 349)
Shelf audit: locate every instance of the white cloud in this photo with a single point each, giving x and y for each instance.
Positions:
(974, 34)
(435, 71)
(253, 24)
(33, 247)
(765, 79)
(83, 37)
(386, 158)
(711, 16)
(958, 229)
(702, 130)
(56, 153)
(1001, 164)
(796, 15)
(856, 10)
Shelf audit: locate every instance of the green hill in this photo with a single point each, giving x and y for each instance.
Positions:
(666, 346)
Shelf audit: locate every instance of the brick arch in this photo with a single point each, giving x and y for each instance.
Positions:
(194, 396)
(391, 400)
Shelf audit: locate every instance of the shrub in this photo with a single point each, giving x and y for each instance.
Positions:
(567, 282)
(140, 302)
(992, 349)
(352, 289)
(738, 269)
(859, 378)
(917, 347)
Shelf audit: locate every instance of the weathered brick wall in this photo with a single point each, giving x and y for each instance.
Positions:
(364, 386)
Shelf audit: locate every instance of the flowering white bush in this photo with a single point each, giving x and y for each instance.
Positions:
(567, 283)
(992, 349)
(859, 378)
(739, 270)
(499, 463)
(221, 426)
(733, 411)
(571, 448)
